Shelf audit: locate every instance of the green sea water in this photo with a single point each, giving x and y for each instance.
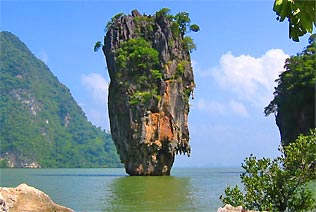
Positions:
(93, 190)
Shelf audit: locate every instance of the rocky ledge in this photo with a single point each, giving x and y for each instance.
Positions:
(27, 198)
(229, 208)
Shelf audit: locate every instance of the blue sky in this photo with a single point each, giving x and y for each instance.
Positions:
(241, 49)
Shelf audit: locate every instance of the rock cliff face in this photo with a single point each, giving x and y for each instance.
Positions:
(151, 83)
(294, 97)
(300, 121)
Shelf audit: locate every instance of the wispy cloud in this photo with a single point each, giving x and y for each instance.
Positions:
(43, 56)
(238, 108)
(215, 108)
(96, 105)
(97, 85)
(251, 79)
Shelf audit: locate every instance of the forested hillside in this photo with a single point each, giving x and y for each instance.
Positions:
(41, 124)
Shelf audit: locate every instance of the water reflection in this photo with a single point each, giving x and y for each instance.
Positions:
(150, 194)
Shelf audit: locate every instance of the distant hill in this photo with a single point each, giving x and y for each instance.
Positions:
(41, 124)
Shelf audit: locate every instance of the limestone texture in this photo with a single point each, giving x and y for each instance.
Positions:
(148, 112)
(27, 198)
(229, 208)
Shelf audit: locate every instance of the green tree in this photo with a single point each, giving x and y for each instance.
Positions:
(294, 97)
(182, 18)
(164, 12)
(180, 25)
(142, 60)
(97, 46)
(137, 55)
(194, 28)
(300, 14)
(183, 21)
(188, 44)
(279, 184)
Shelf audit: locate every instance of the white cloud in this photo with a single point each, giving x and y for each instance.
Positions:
(98, 116)
(97, 85)
(95, 104)
(210, 107)
(238, 108)
(43, 56)
(194, 64)
(215, 108)
(251, 79)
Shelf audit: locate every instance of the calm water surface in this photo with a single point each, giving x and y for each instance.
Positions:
(92, 190)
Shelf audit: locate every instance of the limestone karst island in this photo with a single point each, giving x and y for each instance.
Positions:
(85, 131)
(148, 59)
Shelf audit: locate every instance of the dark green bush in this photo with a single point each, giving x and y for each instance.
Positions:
(279, 184)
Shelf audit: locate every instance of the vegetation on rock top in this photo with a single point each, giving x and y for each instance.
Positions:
(181, 25)
(141, 60)
(294, 96)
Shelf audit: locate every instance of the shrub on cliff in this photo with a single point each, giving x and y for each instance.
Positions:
(279, 184)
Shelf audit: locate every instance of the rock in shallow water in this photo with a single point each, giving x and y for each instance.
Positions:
(229, 208)
(151, 82)
(27, 198)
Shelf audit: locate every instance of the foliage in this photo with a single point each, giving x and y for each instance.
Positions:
(188, 44)
(175, 29)
(40, 121)
(183, 20)
(180, 25)
(138, 66)
(164, 12)
(113, 19)
(300, 14)
(156, 74)
(141, 97)
(180, 21)
(181, 67)
(187, 92)
(142, 18)
(294, 97)
(97, 46)
(194, 28)
(137, 55)
(141, 63)
(279, 184)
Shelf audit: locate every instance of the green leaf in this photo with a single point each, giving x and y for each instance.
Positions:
(306, 23)
(97, 46)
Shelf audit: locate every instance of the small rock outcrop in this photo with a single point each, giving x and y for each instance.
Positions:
(229, 208)
(148, 60)
(27, 198)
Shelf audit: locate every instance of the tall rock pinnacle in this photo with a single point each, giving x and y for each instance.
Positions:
(151, 82)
